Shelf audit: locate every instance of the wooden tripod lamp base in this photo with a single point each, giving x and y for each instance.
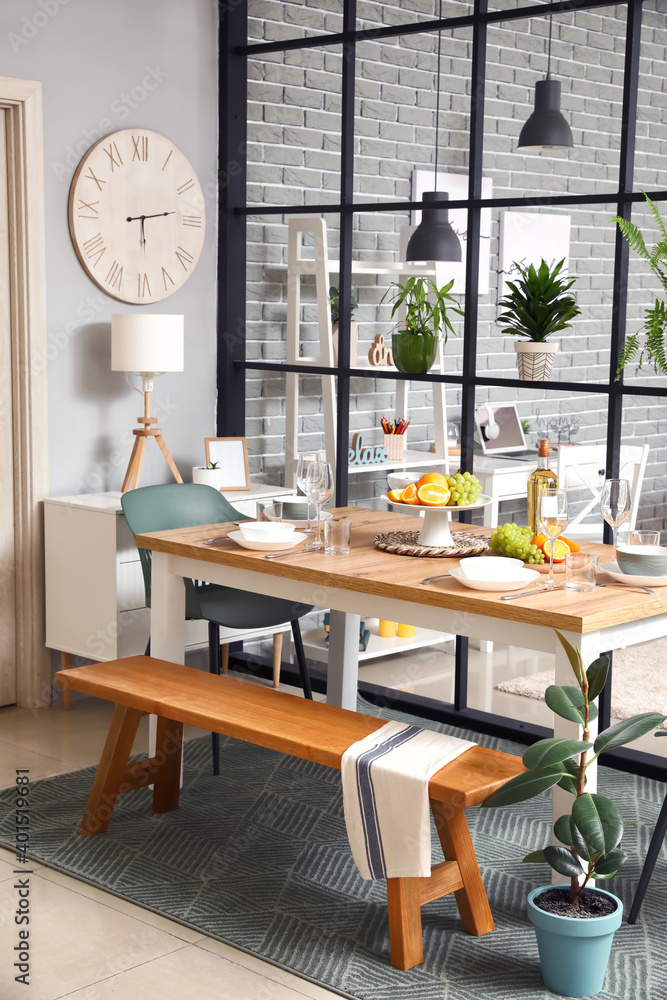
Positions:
(141, 435)
(148, 345)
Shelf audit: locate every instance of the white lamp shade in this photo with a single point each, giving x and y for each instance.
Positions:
(142, 343)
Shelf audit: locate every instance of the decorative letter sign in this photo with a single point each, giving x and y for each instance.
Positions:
(361, 454)
(379, 354)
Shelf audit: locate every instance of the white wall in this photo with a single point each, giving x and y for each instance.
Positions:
(106, 66)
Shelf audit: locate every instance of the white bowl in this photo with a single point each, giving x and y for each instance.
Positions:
(266, 531)
(284, 543)
(399, 480)
(482, 568)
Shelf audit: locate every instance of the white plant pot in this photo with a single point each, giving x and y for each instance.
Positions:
(208, 477)
(535, 360)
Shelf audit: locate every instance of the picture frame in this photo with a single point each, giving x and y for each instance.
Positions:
(231, 456)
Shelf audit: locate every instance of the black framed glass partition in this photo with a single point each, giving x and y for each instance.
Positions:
(331, 115)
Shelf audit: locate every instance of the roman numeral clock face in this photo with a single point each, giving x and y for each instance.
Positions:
(136, 216)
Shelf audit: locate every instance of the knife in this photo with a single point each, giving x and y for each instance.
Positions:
(527, 593)
(294, 552)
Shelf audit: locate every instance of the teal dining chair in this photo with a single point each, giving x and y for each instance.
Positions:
(185, 505)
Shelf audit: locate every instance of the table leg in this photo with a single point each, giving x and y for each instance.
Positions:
(343, 663)
(167, 622)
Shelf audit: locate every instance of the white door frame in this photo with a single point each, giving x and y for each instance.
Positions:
(22, 101)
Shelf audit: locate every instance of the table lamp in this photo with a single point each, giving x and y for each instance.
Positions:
(148, 346)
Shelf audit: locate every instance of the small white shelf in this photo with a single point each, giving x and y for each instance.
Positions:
(315, 646)
(410, 460)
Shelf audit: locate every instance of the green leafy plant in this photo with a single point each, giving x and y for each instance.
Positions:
(591, 835)
(537, 303)
(425, 317)
(655, 316)
(212, 465)
(334, 302)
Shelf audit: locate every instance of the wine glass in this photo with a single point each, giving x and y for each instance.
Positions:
(552, 519)
(615, 504)
(319, 488)
(304, 460)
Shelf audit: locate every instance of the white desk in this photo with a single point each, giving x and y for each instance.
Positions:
(502, 479)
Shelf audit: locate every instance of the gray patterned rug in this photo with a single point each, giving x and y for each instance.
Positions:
(258, 858)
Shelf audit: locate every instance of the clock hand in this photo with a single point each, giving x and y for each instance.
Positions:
(142, 218)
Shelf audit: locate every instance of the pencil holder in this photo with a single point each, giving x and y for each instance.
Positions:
(395, 445)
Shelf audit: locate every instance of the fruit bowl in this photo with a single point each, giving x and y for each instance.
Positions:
(435, 529)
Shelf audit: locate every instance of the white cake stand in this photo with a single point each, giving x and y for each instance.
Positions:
(435, 530)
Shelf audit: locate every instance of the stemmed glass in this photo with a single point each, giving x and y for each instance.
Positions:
(304, 460)
(615, 504)
(319, 488)
(552, 518)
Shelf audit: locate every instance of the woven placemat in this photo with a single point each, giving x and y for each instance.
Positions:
(406, 543)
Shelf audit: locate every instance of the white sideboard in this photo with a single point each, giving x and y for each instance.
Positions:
(95, 602)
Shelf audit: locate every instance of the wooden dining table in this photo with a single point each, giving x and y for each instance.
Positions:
(370, 582)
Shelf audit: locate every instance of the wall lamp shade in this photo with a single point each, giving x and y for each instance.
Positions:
(434, 238)
(546, 128)
(150, 344)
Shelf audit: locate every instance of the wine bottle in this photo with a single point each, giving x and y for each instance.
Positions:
(541, 479)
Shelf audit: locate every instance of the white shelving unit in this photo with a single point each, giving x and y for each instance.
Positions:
(315, 645)
(322, 268)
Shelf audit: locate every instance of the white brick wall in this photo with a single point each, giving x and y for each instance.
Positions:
(294, 158)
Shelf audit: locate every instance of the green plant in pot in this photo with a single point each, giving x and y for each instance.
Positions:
(575, 924)
(426, 307)
(649, 341)
(536, 306)
(334, 304)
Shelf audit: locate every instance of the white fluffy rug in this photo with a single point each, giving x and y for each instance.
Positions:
(639, 681)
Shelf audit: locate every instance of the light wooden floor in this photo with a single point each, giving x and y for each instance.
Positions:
(90, 945)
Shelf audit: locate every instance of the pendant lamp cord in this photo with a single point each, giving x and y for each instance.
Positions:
(437, 103)
(549, 49)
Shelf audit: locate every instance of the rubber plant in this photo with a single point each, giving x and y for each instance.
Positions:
(654, 329)
(590, 836)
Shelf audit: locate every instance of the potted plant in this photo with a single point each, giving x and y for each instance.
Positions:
(574, 951)
(655, 317)
(209, 475)
(334, 303)
(536, 306)
(426, 318)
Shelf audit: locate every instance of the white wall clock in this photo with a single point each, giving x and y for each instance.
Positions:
(136, 216)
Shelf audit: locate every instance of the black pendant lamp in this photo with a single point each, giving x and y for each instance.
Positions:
(546, 129)
(434, 238)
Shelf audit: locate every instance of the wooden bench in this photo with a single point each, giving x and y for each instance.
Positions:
(313, 731)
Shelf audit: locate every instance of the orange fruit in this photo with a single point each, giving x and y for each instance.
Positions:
(539, 540)
(395, 496)
(431, 477)
(560, 547)
(572, 546)
(410, 494)
(433, 494)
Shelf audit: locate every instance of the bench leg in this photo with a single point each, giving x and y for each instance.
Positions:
(405, 922)
(111, 770)
(457, 846)
(167, 762)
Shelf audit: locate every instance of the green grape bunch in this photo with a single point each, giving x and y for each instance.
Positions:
(465, 489)
(514, 541)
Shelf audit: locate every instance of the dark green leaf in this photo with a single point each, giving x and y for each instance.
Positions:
(524, 786)
(568, 702)
(609, 865)
(578, 843)
(562, 829)
(597, 676)
(553, 751)
(598, 821)
(563, 861)
(536, 857)
(570, 780)
(627, 731)
(573, 656)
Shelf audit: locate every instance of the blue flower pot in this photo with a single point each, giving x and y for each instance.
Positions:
(574, 952)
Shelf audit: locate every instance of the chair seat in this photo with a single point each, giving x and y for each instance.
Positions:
(242, 610)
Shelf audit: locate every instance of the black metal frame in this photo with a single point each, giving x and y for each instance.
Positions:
(233, 212)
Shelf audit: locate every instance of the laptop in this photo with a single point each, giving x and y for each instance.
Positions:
(500, 434)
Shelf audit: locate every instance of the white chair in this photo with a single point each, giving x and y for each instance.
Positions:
(582, 467)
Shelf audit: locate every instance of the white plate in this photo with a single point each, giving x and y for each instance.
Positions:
(481, 501)
(528, 576)
(290, 543)
(637, 581)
